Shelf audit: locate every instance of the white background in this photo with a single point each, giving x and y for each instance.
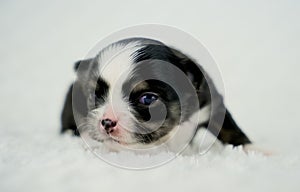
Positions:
(255, 43)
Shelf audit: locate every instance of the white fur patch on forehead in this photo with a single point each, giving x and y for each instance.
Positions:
(115, 62)
(115, 67)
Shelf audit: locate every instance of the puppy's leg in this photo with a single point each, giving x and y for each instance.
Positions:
(67, 118)
(230, 133)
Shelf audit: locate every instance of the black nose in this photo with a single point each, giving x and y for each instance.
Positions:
(108, 125)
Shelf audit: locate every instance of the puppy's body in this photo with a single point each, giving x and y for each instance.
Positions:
(140, 92)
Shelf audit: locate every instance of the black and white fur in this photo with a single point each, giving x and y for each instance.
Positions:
(110, 94)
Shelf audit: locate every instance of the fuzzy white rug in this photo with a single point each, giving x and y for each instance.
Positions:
(256, 45)
(49, 162)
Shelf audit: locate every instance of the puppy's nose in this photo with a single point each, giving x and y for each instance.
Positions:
(108, 125)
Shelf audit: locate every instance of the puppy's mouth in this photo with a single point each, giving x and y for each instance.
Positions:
(119, 140)
(116, 139)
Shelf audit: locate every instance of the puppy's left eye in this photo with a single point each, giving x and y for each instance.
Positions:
(148, 98)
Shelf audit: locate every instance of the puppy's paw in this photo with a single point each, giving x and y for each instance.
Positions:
(251, 148)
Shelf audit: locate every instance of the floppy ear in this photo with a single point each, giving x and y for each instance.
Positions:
(82, 68)
(223, 125)
(77, 104)
(86, 74)
(192, 70)
(196, 75)
(76, 65)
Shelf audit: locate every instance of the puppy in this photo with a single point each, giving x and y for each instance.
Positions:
(141, 92)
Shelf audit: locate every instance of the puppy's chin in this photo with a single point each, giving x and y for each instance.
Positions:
(119, 137)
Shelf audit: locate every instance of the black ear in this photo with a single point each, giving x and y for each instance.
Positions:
(193, 71)
(76, 65)
(83, 64)
(78, 103)
(223, 125)
(85, 70)
(195, 74)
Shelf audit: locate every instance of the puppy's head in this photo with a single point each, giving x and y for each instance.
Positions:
(137, 92)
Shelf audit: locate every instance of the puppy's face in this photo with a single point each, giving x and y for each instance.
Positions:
(137, 95)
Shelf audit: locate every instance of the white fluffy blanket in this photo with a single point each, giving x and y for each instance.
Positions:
(256, 45)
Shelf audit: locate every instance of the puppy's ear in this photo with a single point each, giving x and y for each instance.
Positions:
(77, 65)
(83, 65)
(83, 68)
(222, 126)
(67, 116)
(86, 71)
(196, 75)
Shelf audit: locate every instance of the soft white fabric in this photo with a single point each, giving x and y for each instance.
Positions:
(256, 45)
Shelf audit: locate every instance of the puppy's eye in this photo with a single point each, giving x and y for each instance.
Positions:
(148, 98)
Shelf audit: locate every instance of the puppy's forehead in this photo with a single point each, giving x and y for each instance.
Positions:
(116, 62)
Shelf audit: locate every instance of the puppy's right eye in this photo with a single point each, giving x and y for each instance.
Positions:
(148, 98)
